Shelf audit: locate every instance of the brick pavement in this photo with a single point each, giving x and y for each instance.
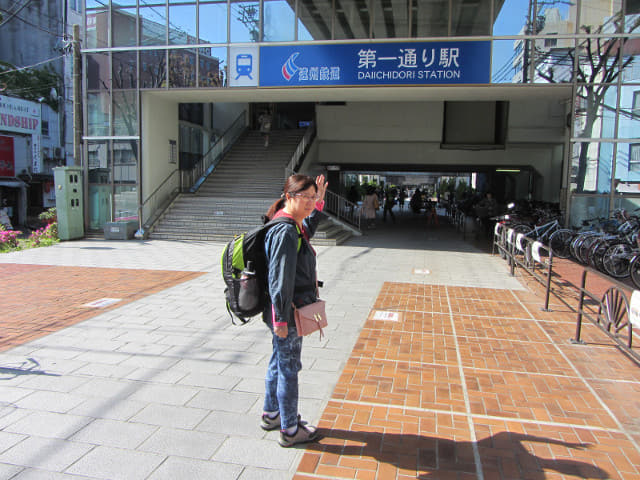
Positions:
(478, 383)
(40, 299)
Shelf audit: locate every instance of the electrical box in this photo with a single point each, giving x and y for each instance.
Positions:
(69, 202)
(120, 230)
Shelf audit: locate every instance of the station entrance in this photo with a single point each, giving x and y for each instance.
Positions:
(510, 141)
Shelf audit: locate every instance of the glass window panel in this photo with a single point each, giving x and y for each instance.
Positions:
(391, 19)
(588, 207)
(630, 204)
(123, 23)
(153, 66)
(597, 61)
(591, 165)
(213, 67)
(352, 19)
(182, 68)
(99, 201)
(125, 3)
(506, 61)
(98, 114)
(97, 33)
(125, 171)
(97, 3)
(279, 21)
(603, 16)
(430, 18)
(125, 113)
(213, 23)
(593, 119)
(171, 2)
(512, 17)
(98, 77)
(153, 25)
(124, 74)
(552, 65)
(245, 21)
(553, 18)
(629, 118)
(628, 168)
(182, 24)
(314, 21)
(470, 18)
(125, 199)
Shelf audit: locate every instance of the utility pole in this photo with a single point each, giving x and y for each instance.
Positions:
(77, 93)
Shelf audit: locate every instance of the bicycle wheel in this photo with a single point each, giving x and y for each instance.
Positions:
(634, 270)
(596, 254)
(616, 260)
(560, 243)
(585, 248)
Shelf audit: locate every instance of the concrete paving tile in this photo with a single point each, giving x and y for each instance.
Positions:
(250, 385)
(9, 414)
(151, 361)
(114, 433)
(45, 453)
(250, 358)
(245, 371)
(9, 471)
(164, 394)
(106, 388)
(143, 348)
(183, 443)
(170, 416)
(227, 423)
(210, 381)
(224, 401)
(54, 382)
(154, 375)
(108, 357)
(253, 473)
(8, 440)
(11, 394)
(116, 464)
(193, 469)
(256, 453)
(48, 424)
(50, 401)
(109, 408)
(103, 370)
(38, 474)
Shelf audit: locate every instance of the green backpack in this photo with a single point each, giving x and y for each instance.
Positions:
(244, 271)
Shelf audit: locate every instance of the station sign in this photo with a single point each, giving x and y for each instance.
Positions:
(366, 64)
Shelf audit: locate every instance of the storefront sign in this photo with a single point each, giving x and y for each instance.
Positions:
(415, 63)
(7, 162)
(36, 163)
(21, 116)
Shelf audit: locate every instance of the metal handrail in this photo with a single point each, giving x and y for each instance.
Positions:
(170, 195)
(306, 141)
(192, 179)
(342, 208)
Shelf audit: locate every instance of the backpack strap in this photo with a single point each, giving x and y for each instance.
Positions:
(290, 221)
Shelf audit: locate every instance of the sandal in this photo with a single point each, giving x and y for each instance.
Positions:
(267, 423)
(304, 434)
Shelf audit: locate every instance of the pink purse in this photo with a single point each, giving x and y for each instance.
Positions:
(310, 318)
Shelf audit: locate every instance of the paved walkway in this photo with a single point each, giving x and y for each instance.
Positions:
(436, 364)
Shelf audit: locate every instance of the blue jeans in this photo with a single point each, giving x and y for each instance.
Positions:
(282, 378)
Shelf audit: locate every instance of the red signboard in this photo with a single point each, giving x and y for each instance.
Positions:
(7, 166)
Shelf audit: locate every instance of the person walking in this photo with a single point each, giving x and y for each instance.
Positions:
(264, 120)
(401, 198)
(369, 205)
(389, 202)
(292, 281)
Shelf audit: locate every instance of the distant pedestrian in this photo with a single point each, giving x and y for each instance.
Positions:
(370, 205)
(265, 121)
(389, 202)
(401, 198)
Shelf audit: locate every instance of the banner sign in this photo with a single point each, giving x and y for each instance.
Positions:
(7, 162)
(36, 157)
(21, 116)
(408, 63)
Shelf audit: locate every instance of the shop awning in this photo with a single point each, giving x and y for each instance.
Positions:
(12, 182)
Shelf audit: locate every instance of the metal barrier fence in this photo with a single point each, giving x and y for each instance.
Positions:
(615, 314)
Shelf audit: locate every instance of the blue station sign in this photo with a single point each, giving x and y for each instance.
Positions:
(410, 63)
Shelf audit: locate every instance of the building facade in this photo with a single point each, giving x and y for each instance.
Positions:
(559, 81)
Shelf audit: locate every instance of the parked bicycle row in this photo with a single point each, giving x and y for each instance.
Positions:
(608, 244)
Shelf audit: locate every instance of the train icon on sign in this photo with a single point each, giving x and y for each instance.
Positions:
(244, 65)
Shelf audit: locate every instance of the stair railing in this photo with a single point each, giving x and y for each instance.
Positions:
(334, 204)
(342, 208)
(191, 180)
(301, 150)
(153, 206)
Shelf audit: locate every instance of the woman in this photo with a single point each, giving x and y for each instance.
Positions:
(370, 204)
(291, 279)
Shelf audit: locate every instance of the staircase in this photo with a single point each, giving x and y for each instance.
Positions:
(240, 190)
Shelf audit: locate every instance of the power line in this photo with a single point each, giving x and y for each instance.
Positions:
(31, 66)
(27, 2)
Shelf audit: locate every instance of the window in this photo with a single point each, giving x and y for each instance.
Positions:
(636, 102)
(634, 157)
(45, 128)
(550, 42)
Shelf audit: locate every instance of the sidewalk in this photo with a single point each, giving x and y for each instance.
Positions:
(469, 380)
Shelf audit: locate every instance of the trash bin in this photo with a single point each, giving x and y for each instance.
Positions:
(69, 202)
(120, 230)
